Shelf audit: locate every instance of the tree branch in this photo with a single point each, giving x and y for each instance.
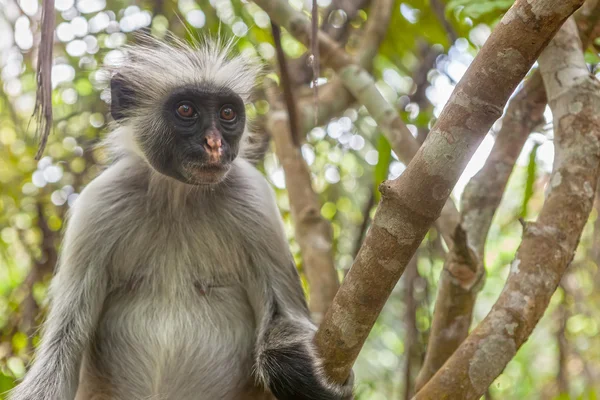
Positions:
(549, 243)
(43, 96)
(587, 21)
(286, 83)
(362, 86)
(428, 55)
(412, 348)
(300, 67)
(334, 97)
(313, 232)
(463, 272)
(457, 293)
(439, 10)
(411, 203)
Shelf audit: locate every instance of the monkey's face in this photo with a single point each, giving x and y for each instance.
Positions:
(205, 126)
(194, 135)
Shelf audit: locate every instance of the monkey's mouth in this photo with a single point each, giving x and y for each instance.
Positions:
(206, 174)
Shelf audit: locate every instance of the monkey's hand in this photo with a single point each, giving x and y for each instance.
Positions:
(288, 364)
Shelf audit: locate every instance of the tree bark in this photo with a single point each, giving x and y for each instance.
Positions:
(411, 203)
(457, 289)
(463, 274)
(313, 232)
(549, 243)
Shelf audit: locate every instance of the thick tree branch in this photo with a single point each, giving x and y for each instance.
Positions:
(463, 271)
(549, 243)
(411, 203)
(457, 292)
(362, 86)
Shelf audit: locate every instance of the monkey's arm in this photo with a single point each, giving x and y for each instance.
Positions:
(286, 359)
(76, 294)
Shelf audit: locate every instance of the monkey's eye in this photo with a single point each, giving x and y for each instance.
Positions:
(186, 110)
(227, 114)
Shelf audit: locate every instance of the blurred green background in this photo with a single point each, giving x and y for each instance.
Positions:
(348, 158)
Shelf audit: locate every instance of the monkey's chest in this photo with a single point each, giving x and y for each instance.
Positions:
(157, 343)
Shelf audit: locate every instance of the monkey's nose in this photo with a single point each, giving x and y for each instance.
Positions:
(213, 146)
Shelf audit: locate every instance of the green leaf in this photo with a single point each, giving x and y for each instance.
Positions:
(6, 383)
(531, 170)
(383, 163)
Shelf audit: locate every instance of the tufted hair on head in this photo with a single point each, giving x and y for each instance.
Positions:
(152, 69)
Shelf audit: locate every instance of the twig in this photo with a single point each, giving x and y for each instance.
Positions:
(286, 83)
(440, 12)
(43, 100)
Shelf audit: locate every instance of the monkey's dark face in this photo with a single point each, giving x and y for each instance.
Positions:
(205, 127)
(194, 136)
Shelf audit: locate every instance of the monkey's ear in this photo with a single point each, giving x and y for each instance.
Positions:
(122, 97)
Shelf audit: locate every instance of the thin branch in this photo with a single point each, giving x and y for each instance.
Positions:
(314, 49)
(313, 232)
(549, 243)
(286, 83)
(333, 96)
(411, 203)
(594, 252)
(366, 213)
(439, 10)
(562, 315)
(428, 57)
(587, 21)
(300, 67)
(412, 350)
(43, 97)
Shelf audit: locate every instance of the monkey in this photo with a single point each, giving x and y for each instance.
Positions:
(175, 280)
